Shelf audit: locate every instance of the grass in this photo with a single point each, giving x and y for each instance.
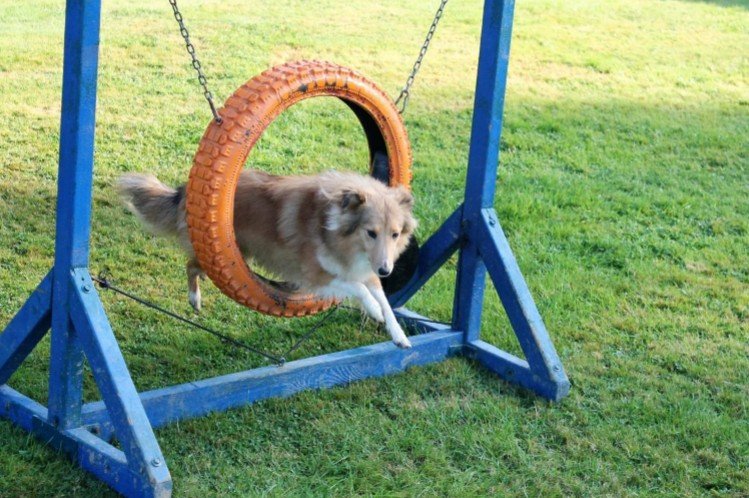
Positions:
(623, 190)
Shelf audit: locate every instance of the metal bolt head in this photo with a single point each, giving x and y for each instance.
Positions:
(556, 368)
(492, 221)
(86, 288)
(156, 462)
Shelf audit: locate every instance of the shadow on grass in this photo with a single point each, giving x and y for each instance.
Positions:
(723, 3)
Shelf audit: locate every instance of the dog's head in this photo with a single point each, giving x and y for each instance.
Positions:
(377, 219)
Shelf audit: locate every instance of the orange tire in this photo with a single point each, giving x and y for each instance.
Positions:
(223, 151)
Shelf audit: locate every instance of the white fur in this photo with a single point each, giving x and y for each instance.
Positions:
(392, 325)
(359, 270)
(341, 289)
(194, 299)
(375, 303)
(371, 297)
(333, 221)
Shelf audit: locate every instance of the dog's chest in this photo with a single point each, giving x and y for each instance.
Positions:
(358, 271)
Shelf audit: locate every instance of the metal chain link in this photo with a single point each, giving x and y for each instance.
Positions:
(405, 92)
(195, 62)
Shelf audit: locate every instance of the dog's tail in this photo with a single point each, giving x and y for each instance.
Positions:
(156, 204)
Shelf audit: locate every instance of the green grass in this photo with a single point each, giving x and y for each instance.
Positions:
(623, 190)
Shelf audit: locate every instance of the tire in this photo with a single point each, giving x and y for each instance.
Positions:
(225, 147)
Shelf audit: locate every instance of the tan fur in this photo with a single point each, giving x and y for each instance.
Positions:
(314, 231)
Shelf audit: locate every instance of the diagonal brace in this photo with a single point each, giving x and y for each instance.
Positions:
(517, 300)
(110, 372)
(26, 329)
(436, 250)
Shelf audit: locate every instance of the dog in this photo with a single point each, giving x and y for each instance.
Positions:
(332, 234)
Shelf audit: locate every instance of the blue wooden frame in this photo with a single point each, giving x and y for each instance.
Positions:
(66, 300)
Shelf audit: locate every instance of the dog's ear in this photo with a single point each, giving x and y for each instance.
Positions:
(404, 196)
(409, 224)
(351, 199)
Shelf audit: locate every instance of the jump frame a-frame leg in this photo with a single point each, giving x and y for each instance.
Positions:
(66, 301)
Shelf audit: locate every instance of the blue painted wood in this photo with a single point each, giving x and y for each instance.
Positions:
(483, 157)
(110, 372)
(76, 162)
(432, 255)
(89, 451)
(19, 408)
(518, 302)
(491, 80)
(220, 393)
(414, 323)
(65, 370)
(26, 329)
(516, 371)
(75, 173)
(109, 465)
(468, 302)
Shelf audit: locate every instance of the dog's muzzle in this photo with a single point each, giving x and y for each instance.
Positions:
(383, 272)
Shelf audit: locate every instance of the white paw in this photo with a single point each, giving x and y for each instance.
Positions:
(194, 298)
(399, 337)
(403, 343)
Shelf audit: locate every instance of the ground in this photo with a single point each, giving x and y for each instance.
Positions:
(623, 190)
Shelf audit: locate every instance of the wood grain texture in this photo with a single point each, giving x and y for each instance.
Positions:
(194, 399)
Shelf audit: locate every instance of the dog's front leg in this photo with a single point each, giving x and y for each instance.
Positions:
(341, 289)
(374, 287)
(194, 272)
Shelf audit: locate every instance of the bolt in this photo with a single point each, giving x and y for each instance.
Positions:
(556, 368)
(156, 462)
(86, 288)
(492, 222)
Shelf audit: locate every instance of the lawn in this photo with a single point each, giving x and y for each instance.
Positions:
(623, 189)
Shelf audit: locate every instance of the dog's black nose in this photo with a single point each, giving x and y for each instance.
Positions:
(384, 272)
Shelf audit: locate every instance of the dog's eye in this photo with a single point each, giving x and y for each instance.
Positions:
(372, 234)
(395, 235)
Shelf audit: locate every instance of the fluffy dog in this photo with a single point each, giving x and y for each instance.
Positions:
(331, 234)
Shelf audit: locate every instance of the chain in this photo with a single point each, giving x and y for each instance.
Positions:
(405, 92)
(104, 282)
(195, 62)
